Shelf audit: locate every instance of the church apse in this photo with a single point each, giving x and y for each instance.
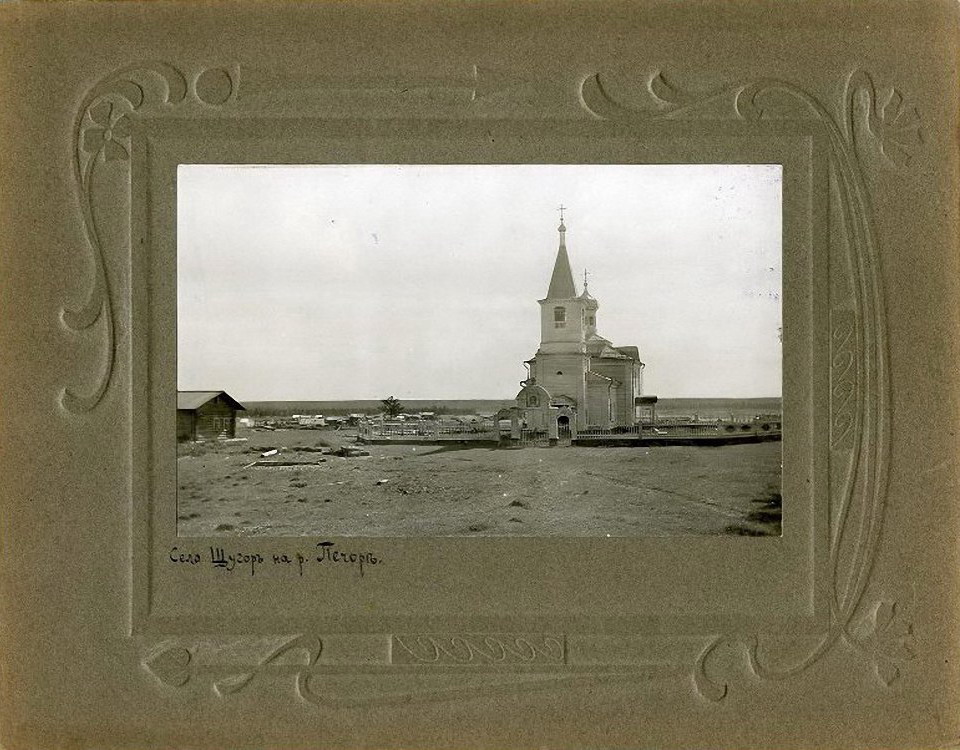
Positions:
(579, 376)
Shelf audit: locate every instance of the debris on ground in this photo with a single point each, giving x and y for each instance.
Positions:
(350, 451)
(272, 452)
(315, 462)
(382, 481)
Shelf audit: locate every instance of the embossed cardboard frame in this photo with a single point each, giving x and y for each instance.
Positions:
(157, 116)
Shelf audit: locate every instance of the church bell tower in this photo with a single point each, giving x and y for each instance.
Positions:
(577, 376)
(563, 317)
(561, 362)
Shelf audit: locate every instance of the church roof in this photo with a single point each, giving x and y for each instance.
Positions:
(613, 352)
(561, 282)
(605, 378)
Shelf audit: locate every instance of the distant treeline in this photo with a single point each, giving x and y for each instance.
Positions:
(372, 406)
(719, 407)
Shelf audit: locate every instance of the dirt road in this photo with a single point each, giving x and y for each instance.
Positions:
(465, 491)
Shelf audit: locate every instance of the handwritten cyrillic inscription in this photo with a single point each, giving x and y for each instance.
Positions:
(326, 556)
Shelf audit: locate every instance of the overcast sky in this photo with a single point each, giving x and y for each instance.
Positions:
(363, 281)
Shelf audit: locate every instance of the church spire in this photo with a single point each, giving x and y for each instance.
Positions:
(561, 282)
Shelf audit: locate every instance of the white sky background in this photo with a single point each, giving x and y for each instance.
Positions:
(362, 281)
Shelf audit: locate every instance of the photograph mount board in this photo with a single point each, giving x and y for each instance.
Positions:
(839, 633)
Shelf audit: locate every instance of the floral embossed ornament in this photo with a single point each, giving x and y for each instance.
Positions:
(896, 126)
(105, 138)
(883, 633)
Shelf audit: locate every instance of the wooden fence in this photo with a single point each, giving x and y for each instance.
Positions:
(665, 432)
(427, 431)
(718, 433)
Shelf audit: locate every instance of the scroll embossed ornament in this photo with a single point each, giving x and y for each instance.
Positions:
(176, 665)
(230, 667)
(102, 137)
(866, 119)
(477, 649)
(843, 379)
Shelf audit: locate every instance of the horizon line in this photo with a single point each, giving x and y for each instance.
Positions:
(490, 398)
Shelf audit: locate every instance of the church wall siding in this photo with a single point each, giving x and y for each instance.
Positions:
(598, 404)
(570, 383)
(627, 411)
(622, 371)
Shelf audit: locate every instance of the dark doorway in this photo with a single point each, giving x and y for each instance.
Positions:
(563, 426)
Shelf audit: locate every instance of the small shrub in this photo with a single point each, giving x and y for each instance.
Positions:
(740, 530)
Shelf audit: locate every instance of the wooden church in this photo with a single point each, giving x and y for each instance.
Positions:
(577, 377)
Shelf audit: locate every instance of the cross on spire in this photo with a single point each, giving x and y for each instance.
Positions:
(561, 283)
(585, 280)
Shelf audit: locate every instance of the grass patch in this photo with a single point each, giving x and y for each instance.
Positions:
(770, 512)
(741, 530)
(196, 449)
(765, 516)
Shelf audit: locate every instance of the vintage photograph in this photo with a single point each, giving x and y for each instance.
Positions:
(479, 350)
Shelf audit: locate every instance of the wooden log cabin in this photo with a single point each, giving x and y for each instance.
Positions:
(206, 415)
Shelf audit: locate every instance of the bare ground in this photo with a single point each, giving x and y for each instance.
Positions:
(427, 490)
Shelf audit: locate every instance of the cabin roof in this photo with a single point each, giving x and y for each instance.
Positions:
(191, 400)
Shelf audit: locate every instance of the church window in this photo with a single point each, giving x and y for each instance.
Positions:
(559, 317)
(559, 372)
(591, 320)
(533, 401)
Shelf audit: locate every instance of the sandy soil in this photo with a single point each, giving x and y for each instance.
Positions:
(403, 490)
